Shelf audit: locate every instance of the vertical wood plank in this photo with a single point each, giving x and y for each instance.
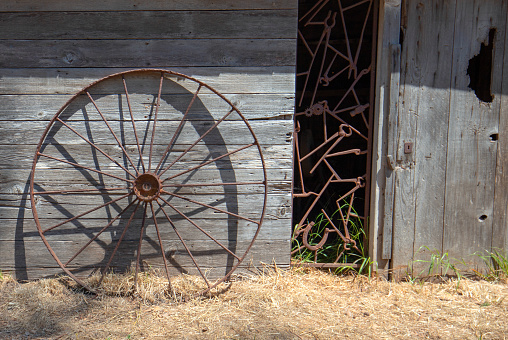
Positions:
(404, 200)
(435, 47)
(471, 160)
(394, 68)
(500, 224)
(388, 35)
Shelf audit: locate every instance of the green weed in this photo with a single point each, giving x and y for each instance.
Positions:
(362, 266)
(442, 265)
(496, 263)
(351, 253)
(439, 265)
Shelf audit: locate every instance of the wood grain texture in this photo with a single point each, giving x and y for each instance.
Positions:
(444, 193)
(226, 80)
(471, 161)
(246, 24)
(245, 50)
(500, 220)
(392, 122)
(37, 262)
(218, 228)
(278, 206)
(147, 53)
(404, 199)
(136, 5)
(252, 106)
(430, 144)
(279, 180)
(16, 157)
(388, 35)
(246, 204)
(230, 132)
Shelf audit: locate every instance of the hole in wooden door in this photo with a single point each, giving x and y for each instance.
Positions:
(480, 70)
(494, 137)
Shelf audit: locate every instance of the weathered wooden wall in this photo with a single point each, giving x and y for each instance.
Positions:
(244, 49)
(449, 194)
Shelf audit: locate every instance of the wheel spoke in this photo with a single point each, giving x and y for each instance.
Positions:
(184, 244)
(210, 161)
(65, 192)
(161, 246)
(155, 122)
(113, 133)
(100, 232)
(133, 124)
(180, 125)
(87, 212)
(209, 206)
(84, 167)
(95, 146)
(197, 141)
(199, 228)
(118, 243)
(209, 184)
(138, 257)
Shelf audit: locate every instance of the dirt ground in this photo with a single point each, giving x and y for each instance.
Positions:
(293, 304)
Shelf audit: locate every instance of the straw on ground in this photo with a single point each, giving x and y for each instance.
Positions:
(276, 304)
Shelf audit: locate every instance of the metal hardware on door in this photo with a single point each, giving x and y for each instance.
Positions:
(391, 162)
(408, 147)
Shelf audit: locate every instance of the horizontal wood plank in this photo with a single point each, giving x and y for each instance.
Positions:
(220, 229)
(229, 132)
(279, 180)
(20, 157)
(226, 80)
(207, 253)
(34, 260)
(147, 53)
(246, 205)
(252, 106)
(246, 24)
(136, 5)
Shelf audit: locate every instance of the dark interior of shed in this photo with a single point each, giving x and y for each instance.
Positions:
(333, 93)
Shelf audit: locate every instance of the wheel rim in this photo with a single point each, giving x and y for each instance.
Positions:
(167, 164)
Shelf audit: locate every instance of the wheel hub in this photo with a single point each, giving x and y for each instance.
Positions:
(147, 187)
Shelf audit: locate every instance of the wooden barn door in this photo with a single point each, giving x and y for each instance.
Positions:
(446, 189)
(333, 118)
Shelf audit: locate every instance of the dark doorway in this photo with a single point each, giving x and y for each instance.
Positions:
(333, 118)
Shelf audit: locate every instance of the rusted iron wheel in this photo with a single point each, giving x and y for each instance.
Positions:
(149, 169)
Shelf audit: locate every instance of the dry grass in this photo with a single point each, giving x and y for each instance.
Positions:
(277, 304)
